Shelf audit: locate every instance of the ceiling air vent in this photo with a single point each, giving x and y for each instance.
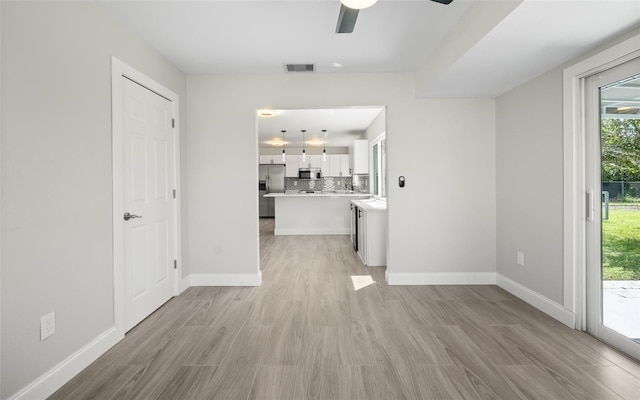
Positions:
(299, 68)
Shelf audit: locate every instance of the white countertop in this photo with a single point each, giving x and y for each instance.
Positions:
(321, 194)
(371, 204)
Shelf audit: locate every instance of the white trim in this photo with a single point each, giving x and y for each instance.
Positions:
(56, 377)
(574, 171)
(440, 278)
(372, 143)
(1, 206)
(311, 231)
(119, 71)
(618, 341)
(549, 307)
(226, 279)
(186, 283)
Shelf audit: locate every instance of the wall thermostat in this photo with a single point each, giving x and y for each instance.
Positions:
(401, 181)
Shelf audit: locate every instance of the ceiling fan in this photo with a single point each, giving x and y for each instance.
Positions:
(349, 13)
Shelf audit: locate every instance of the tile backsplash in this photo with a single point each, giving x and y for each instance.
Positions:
(358, 183)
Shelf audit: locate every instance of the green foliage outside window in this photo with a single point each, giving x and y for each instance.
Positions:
(620, 149)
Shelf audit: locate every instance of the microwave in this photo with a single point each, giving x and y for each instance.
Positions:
(309, 173)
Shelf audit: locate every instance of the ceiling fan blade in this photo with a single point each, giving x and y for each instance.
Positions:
(346, 19)
(443, 1)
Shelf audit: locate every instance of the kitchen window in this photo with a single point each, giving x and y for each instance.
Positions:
(379, 167)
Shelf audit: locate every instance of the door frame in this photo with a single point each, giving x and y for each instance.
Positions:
(574, 169)
(593, 151)
(119, 72)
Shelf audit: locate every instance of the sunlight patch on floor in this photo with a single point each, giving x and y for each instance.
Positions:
(361, 281)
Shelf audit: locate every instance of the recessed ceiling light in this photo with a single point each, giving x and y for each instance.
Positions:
(337, 65)
(277, 142)
(266, 113)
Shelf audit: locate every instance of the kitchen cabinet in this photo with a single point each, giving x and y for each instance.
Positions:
(310, 161)
(361, 235)
(291, 166)
(353, 221)
(337, 165)
(315, 161)
(271, 159)
(333, 161)
(326, 166)
(345, 165)
(371, 232)
(360, 157)
(313, 214)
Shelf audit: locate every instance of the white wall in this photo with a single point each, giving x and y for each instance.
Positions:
(377, 127)
(56, 177)
(442, 222)
(530, 188)
(529, 184)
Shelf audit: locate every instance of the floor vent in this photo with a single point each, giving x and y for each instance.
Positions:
(299, 68)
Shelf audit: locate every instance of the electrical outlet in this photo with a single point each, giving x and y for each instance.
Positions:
(520, 258)
(295, 183)
(47, 325)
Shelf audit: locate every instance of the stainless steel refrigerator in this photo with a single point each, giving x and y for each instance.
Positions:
(271, 180)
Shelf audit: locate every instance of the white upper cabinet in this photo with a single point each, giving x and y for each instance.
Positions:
(315, 161)
(291, 166)
(326, 166)
(333, 161)
(360, 157)
(345, 165)
(271, 159)
(338, 165)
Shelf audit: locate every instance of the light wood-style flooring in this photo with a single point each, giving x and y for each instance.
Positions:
(323, 326)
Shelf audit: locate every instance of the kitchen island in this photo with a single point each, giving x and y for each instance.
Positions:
(319, 213)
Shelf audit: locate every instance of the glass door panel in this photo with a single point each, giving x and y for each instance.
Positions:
(620, 172)
(613, 233)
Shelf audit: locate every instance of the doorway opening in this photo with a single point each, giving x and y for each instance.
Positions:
(311, 152)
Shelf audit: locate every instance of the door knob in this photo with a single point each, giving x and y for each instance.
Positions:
(128, 216)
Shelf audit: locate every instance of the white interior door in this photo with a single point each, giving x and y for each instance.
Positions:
(149, 167)
(612, 104)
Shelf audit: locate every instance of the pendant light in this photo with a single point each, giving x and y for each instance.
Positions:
(283, 155)
(324, 145)
(358, 4)
(304, 153)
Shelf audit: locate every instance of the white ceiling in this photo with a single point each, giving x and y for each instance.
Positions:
(249, 37)
(535, 37)
(469, 48)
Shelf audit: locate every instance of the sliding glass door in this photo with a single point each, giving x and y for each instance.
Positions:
(613, 206)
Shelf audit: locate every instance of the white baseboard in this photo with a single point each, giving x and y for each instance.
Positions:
(225, 279)
(537, 300)
(185, 284)
(54, 379)
(439, 278)
(281, 231)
